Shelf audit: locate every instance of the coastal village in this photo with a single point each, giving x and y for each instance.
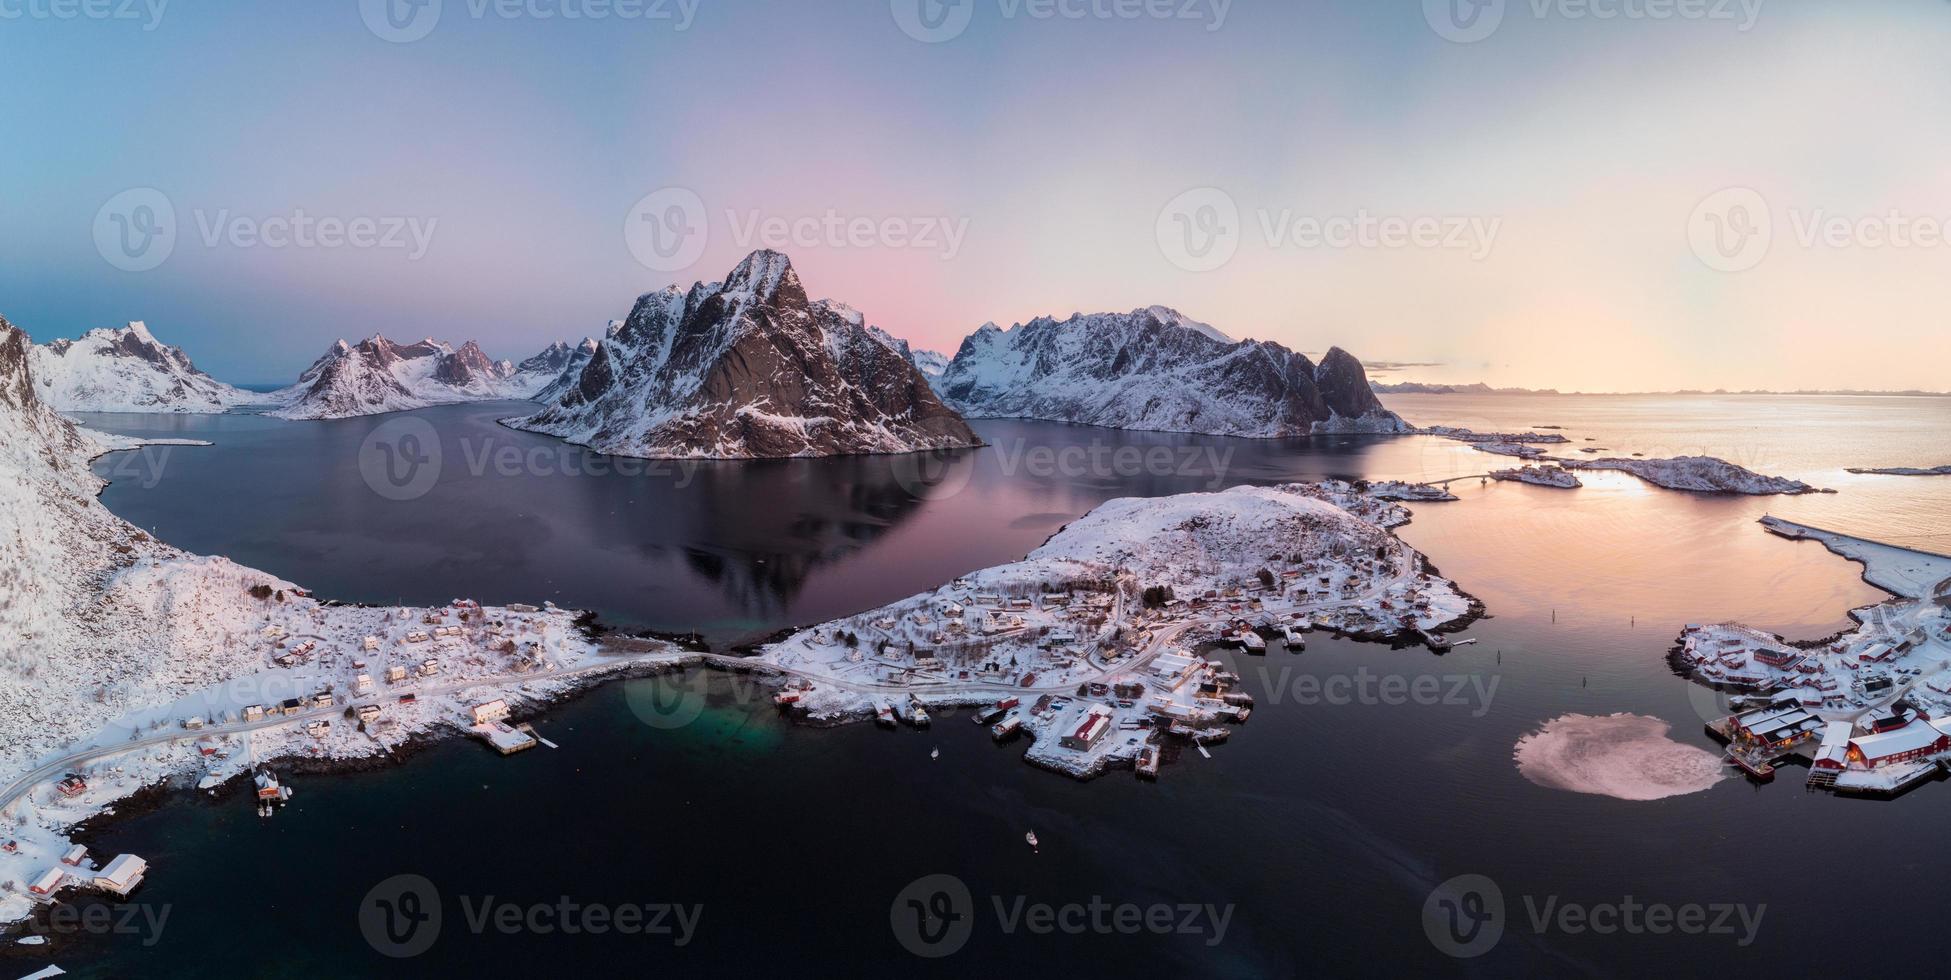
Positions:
(333, 682)
(1092, 646)
(1869, 711)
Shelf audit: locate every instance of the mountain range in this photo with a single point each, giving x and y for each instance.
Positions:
(378, 375)
(1158, 369)
(748, 368)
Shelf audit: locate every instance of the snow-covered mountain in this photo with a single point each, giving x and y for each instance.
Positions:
(928, 362)
(571, 370)
(932, 363)
(749, 368)
(95, 615)
(126, 370)
(1160, 370)
(377, 375)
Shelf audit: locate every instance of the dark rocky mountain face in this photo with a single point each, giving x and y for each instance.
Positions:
(1156, 369)
(749, 368)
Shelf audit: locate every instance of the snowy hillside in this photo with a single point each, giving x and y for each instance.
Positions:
(749, 368)
(928, 362)
(377, 376)
(1158, 369)
(570, 372)
(126, 370)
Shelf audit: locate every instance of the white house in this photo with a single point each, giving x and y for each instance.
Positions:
(122, 874)
(495, 710)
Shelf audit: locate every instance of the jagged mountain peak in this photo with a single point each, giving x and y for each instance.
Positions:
(768, 276)
(749, 368)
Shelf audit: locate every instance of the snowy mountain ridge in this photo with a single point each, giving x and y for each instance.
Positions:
(1158, 369)
(378, 375)
(126, 370)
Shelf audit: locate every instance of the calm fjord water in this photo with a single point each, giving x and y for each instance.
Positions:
(1323, 827)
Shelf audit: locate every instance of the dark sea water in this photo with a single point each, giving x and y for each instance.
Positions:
(1322, 826)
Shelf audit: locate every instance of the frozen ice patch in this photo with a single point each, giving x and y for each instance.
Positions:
(1625, 756)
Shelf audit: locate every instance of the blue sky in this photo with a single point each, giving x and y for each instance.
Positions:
(1564, 171)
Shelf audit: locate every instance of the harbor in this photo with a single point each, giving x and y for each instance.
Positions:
(1868, 712)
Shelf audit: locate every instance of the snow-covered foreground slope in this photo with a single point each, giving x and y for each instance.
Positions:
(111, 641)
(1157, 369)
(749, 368)
(126, 370)
(377, 376)
(1105, 619)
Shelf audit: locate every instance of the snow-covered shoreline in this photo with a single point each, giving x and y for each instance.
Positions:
(1843, 702)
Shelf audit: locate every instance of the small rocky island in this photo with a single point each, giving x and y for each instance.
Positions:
(1091, 644)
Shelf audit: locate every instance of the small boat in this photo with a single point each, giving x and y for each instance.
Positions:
(884, 715)
(934, 753)
(1466, 641)
(1031, 837)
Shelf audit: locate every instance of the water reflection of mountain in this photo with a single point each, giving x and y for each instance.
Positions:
(760, 529)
